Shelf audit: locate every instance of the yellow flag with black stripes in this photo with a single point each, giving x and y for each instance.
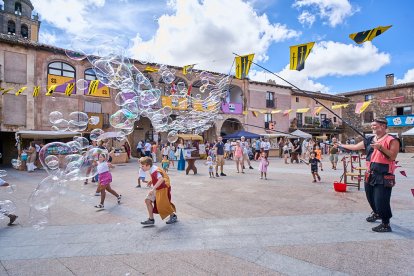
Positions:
(187, 69)
(298, 55)
(93, 86)
(150, 69)
(243, 64)
(51, 89)
(368, 35)
(36, 91)
(20, 90)
(69, 88)
(5, 91)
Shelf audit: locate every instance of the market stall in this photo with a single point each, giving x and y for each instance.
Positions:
(408, 140)
(274, 139)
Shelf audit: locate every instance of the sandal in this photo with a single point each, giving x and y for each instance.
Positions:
(100, 206)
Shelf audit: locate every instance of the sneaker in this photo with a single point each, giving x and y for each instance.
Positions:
(99, 206)
(222, 174)
(243, 167)
(373, 217)
(319, 178)
(382, 228)
(251, 167)
(148, 222)
(217, 175)
(12, 219)
(119, 199)
(173, 219)
(314, 181)
(138, 186)
(97, 194)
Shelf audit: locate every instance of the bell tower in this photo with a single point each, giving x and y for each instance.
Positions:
(16, 20)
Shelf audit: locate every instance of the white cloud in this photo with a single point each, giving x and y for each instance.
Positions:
(69, 15)
(334, 11)
(306, 18)
(330, 58)
(47, 38)
(408, 77)
(201, 31)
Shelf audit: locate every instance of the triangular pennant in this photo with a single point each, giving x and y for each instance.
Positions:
(150, 69)
(243, 64)
(403, 173)
(360, 107)
(368, 35)
(20, 90)
(5, 91)
(187, 69)
(302, 110)
(298, 55)
(51, 89)
(317, 110)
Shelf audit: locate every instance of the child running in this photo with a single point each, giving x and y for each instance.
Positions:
(12, 217)
(141, 176)
(104, 181)
(318, 153)
(313, 161)
(165, 163)
(210, 165)
(263, 165)
(158, 200)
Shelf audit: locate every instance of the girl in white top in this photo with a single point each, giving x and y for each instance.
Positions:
(104, 180)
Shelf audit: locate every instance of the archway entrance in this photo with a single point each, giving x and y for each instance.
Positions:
(230, 126)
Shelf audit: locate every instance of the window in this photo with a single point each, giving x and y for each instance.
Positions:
(368, 116)
(93, 107)
(308, 120)
(299, 118)
(268, 117)
(270, 100)
(11, 27)
(297, 99)
(90, 74)
(61, 69)
(368, 97)
(334, 119)
(18, 8)
(404, 110)
(24, 31)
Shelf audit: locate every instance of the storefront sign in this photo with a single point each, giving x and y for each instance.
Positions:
(232, 108)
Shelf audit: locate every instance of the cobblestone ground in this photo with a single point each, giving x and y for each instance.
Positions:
(233, 225)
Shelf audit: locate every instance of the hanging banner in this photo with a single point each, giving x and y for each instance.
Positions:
(59, 82)
(298, 55)
(360, 107)
(176, 103)
(20, 90)
(36, 91)
(338, 106)
(243, 64)
(368, 35)
(302, 110)
(97, 89)
(317, 110)
(400, 121)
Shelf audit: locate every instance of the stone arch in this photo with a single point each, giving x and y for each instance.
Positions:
(230, 125)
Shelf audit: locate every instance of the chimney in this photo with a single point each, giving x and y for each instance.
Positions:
(389, 79)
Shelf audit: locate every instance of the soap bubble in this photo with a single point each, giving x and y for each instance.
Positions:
(94, 120)
(7, 207)
(3, 173)
(16, 163)
(95, 134)
(172, 136)
(82, 84)
(75, 55)
(52, 162)
(61, 125)
(55, 117)
(79, 118)
(83, 142)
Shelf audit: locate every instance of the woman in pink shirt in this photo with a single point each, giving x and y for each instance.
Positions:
(238, 156)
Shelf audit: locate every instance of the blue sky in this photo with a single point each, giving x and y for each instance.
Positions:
(180, 32)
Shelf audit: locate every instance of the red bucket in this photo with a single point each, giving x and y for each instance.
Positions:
(340, 187)
(412, 191)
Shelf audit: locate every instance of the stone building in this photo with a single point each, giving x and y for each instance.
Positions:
(392, 101)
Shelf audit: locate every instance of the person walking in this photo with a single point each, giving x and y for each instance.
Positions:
(381, 151)
(147, 149)
(180, 157)
(140, 147)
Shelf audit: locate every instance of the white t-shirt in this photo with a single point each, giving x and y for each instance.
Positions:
(262, 144)
(266, 146)
(139, 146)
(102, 167)
(166, 150)
(147, 147)
(142, 173)
(227, 146)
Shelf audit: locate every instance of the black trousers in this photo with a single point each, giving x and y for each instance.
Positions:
(378, 198)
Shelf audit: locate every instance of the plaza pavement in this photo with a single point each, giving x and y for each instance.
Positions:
(234, 225)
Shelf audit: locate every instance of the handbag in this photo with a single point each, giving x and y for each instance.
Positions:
(389, 180)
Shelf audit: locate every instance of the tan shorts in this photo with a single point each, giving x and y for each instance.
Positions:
(220, 160)
(151, 196)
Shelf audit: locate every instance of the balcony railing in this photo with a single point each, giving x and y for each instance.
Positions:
(270, 104)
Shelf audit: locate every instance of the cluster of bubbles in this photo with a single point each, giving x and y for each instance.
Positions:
(64, 163)
(6, 206)
(137, 95)
(77, 121)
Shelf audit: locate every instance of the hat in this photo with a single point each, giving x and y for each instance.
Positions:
(243, 137)
(381, 120)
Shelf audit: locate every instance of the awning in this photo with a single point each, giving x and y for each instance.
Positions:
(193, 137)
(46, 134)
(409, 132)
(276, 135)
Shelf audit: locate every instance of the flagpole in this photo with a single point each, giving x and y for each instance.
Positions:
(312, 97)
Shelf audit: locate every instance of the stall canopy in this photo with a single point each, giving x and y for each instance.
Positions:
(409, 132)
(301, 134)
(239, 134)
(193, 137)
(45, 134)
